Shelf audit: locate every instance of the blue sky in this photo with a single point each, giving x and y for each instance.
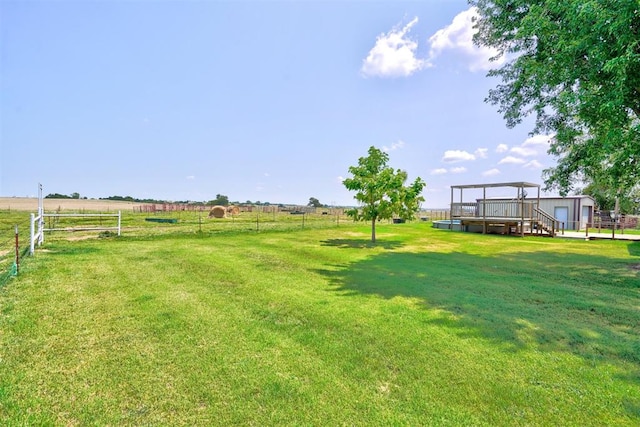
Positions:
(256, 100)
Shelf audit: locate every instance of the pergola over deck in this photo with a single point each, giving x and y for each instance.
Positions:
(508, 214)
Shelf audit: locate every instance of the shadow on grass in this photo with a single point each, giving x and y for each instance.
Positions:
(361, 243)
(71, 249)
(634, 249)
(633, 408)
(582, 304)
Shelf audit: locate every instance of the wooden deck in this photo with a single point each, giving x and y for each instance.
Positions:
(499, 225)
(515, 216)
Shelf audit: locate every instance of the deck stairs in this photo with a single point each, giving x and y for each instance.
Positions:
(545, 223)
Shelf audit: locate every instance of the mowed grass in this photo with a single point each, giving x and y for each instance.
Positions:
(320, 327)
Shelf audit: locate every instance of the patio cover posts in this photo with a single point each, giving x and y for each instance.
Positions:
(520, 186)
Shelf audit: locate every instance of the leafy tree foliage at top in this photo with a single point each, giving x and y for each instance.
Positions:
(313, 202)
(220, 199)
(380, 190)
(575, 65)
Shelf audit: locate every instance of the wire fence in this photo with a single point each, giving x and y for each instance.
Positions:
(143, 224)
(14, 246)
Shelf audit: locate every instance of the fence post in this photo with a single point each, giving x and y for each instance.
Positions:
(32, 246)
(41, 227)
(119, 221)
(614, 224)
(17, 252)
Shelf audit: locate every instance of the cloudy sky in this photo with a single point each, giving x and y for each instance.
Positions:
(256, 100)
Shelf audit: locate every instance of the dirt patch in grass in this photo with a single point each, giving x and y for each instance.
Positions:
(79, 238)
(635, 267)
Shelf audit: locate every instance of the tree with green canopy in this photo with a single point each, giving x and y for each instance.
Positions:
(220, 199)
(380, 190)
(575, 65)
(608, 201)
(313, 202)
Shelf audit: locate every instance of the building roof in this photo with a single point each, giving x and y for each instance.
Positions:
(499, 184)
(578, 196)
(581, 196)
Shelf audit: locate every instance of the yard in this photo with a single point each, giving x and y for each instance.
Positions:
(316, 326)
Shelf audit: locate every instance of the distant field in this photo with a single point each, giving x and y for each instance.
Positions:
(51, 205)
(320, 327)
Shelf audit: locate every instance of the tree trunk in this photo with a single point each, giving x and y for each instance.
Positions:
(373, 230)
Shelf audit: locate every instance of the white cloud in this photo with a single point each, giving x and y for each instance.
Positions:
(458, 36)
(394, 146)
(491, 172)
(267, 174)
(511, 160)
(191, 177)
(542, 140)
(341, 179)
(394, 55)
(531, 147)
(533, 164)
(453, 156)
(481, 153)
(524, 151)
(460, 169)
(440, 171)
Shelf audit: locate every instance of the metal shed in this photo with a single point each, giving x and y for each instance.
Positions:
(574, 211)
(571, 212)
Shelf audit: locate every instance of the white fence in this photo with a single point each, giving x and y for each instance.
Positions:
(37, 236)
(38, 223)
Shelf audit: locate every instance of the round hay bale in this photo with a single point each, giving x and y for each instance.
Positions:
(233, 210)
(217, 212)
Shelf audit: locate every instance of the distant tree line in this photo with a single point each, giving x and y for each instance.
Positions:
(63, 196)
(131, 199)
(220, 199)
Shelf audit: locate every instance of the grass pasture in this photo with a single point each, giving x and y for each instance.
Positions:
(136, 224)
(316, 326)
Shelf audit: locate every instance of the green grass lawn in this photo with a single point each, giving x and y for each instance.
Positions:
(316, 326)
(136, 224)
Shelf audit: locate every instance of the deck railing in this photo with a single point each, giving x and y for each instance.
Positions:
(506, 209)
(496, 209)
(464, 209)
